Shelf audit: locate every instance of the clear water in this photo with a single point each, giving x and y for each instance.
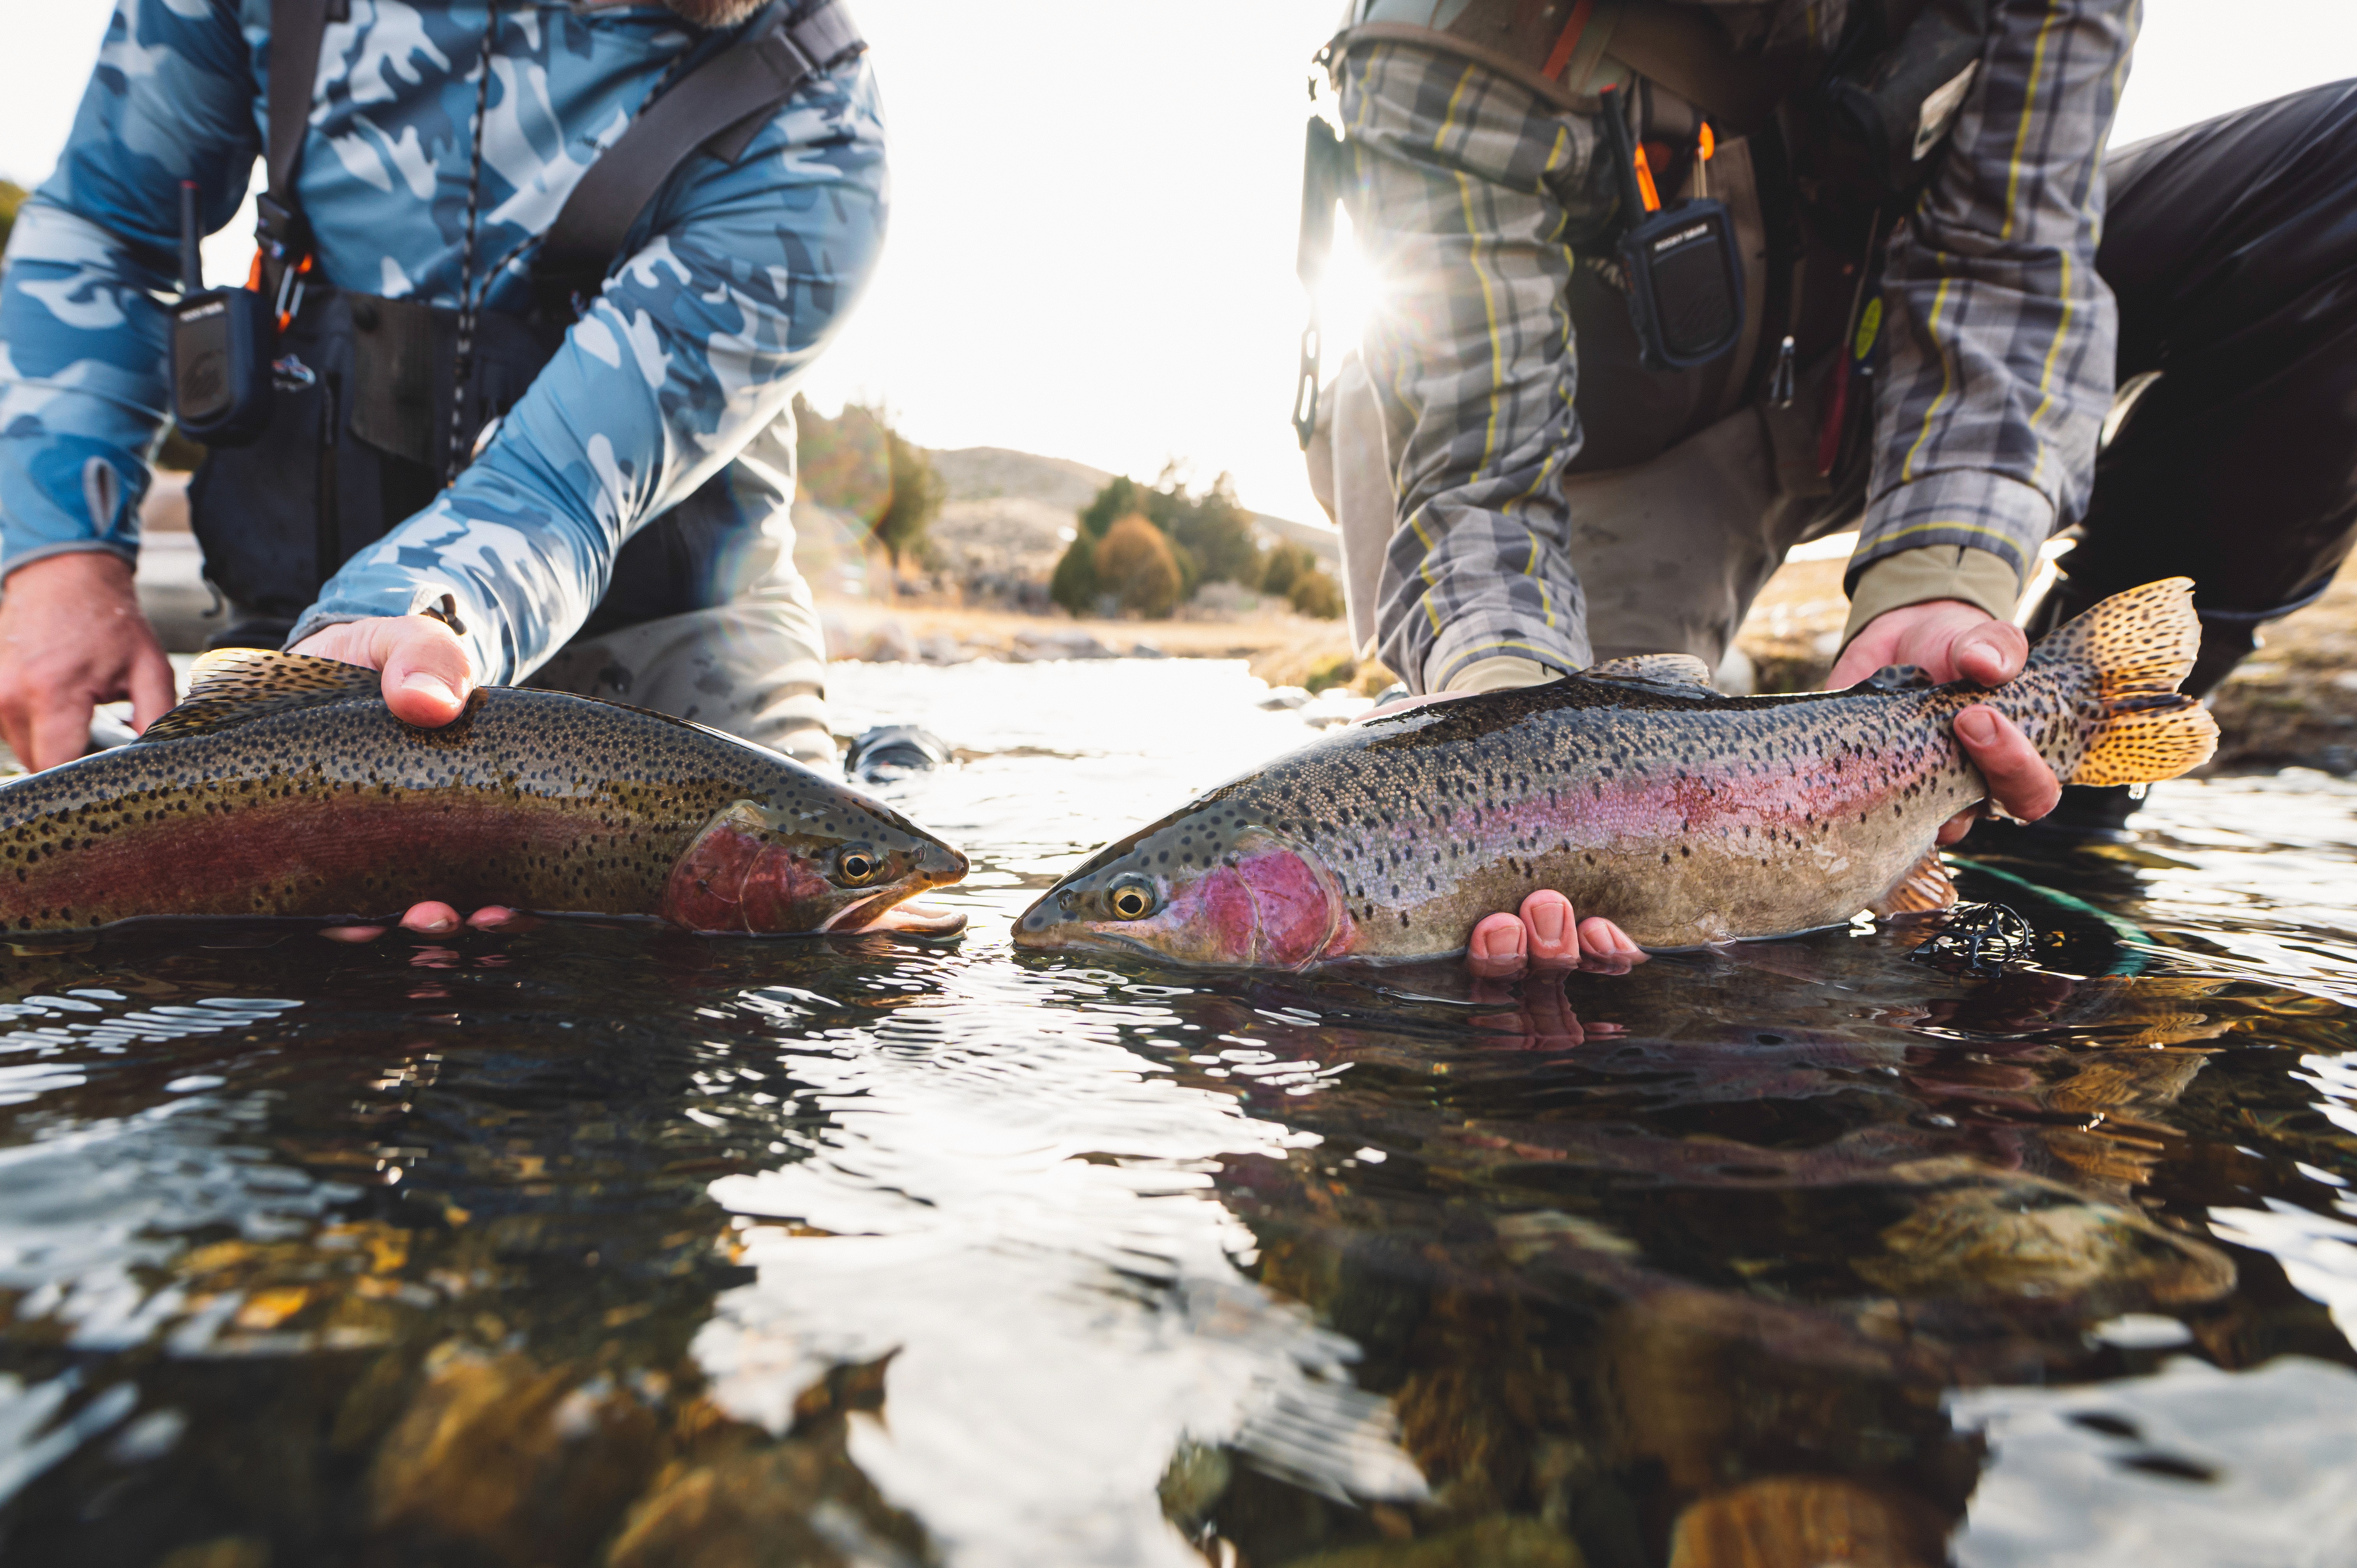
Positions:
(597, 1243)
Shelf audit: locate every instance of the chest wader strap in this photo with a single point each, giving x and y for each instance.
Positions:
(368, 386)
(718, 108)
(282, 239)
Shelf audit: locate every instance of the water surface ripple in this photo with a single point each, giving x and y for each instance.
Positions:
(597, 1243)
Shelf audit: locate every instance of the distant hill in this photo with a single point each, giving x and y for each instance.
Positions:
(1011, 511)
(991, 473)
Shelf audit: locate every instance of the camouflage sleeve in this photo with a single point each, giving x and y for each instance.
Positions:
(82, 343)
(735, 282)
(2001, 335)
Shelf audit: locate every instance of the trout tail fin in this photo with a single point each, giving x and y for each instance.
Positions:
(2132, 648)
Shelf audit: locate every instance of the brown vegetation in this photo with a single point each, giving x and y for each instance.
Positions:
(1134, 564)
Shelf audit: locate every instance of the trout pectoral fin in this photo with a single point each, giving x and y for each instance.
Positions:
(1925, 888)
(232, 685)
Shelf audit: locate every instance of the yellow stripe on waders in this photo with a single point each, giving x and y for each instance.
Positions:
(2021, 131)
(2046, 377)
(1453, 665)
(1999, 533)
(1947, 381)
(1440, 138)
(1557, 305)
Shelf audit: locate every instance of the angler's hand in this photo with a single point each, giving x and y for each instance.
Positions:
(72, 636)
(1547, 934)
(427, 679)
(428, 675)
(1951, 640)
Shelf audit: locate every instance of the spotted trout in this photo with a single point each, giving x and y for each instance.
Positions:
(284, 786)
(1686, 816)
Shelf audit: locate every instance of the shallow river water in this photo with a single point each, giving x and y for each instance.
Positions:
(601, 1244)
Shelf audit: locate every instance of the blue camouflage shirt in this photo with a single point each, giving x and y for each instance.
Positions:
(730, 285)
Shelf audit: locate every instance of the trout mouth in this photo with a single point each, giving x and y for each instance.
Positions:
(836, 919)
(895, 910)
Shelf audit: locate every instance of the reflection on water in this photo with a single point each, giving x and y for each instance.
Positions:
(597, 1243)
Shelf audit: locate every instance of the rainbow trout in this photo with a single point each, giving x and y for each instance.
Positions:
(282, 785)
(1686, 816)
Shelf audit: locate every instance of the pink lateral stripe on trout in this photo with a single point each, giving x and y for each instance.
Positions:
(282, 785)
(1684, 816)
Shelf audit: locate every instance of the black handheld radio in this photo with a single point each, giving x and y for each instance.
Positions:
(1685, 276)
(222, 343)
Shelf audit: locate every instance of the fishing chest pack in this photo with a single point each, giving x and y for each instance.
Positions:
(1677, 304)
(332, 416)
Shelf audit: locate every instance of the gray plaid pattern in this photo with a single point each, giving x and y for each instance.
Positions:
(2001, 337)
(1467, 194)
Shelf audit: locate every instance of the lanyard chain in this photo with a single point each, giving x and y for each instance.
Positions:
(464, 365)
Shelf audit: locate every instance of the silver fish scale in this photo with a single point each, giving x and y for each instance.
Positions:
(1684, 820)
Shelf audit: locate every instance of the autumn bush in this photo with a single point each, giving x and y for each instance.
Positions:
(1134, 564)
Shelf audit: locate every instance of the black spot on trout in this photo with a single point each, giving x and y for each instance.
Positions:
(284, 786)
(1684, 816)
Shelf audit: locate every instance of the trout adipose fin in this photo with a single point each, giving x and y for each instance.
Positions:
(2138, 645)
(231, 685)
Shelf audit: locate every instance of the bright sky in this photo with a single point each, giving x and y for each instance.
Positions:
(1096, 205)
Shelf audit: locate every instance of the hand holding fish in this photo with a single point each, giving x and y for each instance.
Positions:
(72, 636)
(1947, 639)
(427, 677)
(285, 786)
(1547, 933)
(1634, 791)
(1951, 640)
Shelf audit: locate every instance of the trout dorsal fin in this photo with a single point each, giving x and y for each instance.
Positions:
(232, 685)
(1671, 674)
(1925, 888)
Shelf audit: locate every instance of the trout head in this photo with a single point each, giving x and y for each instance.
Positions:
(1204, 888)
(841, 866)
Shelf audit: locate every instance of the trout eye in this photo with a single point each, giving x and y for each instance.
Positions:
(1132, 898)
(856, 863)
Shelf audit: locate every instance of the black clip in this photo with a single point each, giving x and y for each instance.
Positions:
(447, 612)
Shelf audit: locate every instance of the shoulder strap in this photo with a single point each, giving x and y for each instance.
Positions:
(295, 29)
(719, 106)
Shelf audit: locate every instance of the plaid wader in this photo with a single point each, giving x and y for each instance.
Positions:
(1466, 192)
(1469, 195)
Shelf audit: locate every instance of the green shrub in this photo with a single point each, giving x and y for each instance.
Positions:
(12, 196)
(1075, 586)
(856, 463)
(1315, 594)
(918, 490)
(1210, 534)
(1286, 564)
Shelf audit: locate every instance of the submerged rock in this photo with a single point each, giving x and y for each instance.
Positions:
(801, 1504)
(2009, 1240)
(1803, 1521)
(1505, 1543)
